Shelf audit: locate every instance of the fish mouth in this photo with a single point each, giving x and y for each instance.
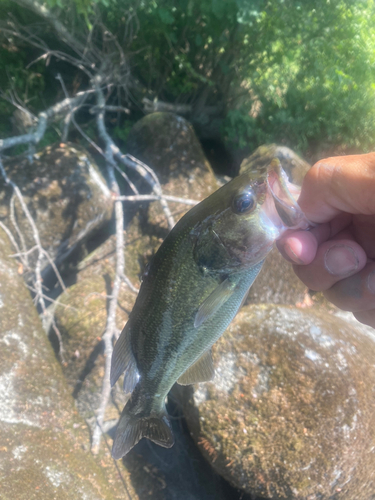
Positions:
(281, 207)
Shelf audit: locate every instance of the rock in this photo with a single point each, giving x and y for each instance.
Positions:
(167, 143)
(290, 412)
(81, 319)
(294, 166)
(65, 194)
(277, 283)
(44, 443)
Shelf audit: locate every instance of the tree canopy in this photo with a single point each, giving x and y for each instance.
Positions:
(294, 72)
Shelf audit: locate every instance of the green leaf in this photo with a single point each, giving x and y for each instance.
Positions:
(166, 16)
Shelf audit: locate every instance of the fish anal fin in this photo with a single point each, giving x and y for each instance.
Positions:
(201, 371)
(123, 360)
(131, 429)
(214, 301)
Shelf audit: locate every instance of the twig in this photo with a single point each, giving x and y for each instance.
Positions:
(153, 197)
(53, 301)
(123, 174)
(126, 280)
(149, 175)
(111, 328)
(11, 237)
(43, 119)
(13, 220)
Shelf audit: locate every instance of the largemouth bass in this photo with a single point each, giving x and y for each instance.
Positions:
(193, 288)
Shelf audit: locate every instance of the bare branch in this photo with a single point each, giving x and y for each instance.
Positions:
(149, 176)
(111, 329)
(123, 174)
(11, 238)
(63, 33)
(43, 119)
(151, 197)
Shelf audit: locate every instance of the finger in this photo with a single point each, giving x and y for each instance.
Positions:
(366, 317)
(300, 247)
(339, 184)
(334, 260)
(355, 293)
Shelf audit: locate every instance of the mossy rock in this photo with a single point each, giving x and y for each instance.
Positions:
(290, 412)
(81, 318)
(168, 144)
(65, 194)
(277, 283)
(44, 443)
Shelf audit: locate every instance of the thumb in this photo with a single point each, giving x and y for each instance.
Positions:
(339, 184)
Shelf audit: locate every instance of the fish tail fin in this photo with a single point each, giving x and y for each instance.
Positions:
(131, 429)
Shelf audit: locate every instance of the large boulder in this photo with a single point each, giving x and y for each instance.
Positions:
(44, 443)
(66, 195)
(290, 412)
(278, 284)
(81, 318)
(168, 144)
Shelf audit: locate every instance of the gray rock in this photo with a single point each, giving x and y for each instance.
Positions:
(168, 144)
(278, 284)
(44, 443)
(290, 412)
(81, 318)
(65, 194)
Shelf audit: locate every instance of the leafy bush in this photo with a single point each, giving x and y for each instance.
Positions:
(290, 71)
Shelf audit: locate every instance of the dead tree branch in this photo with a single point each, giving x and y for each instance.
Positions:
(43, 118)
(111, 329)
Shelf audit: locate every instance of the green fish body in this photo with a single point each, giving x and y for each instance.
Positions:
(190, 293)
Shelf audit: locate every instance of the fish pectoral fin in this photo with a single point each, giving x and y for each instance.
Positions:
(123, 360)
(214, 301)
(201, 371)
(131, 429)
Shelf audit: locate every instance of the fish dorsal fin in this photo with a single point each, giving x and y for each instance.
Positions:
(201, 371)
(214, 301)
(123, 360)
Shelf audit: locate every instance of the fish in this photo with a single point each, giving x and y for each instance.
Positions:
(190, 293)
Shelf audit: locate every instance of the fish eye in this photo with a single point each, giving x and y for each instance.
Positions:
(244, 202)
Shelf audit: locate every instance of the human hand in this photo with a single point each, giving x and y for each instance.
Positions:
(337, 256)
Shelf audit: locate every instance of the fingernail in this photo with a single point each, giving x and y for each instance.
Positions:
(371, 282)
(340, 260)
(290, 253)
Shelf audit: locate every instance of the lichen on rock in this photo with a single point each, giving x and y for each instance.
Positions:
(66, 195)
(290, 411)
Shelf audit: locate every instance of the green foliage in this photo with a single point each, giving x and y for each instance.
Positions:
(310, 66)
(297, 72)
(314, 79)
(122, 132)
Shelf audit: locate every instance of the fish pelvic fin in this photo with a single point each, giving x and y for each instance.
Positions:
(132, 428)
(200, 371)
(123, 360)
